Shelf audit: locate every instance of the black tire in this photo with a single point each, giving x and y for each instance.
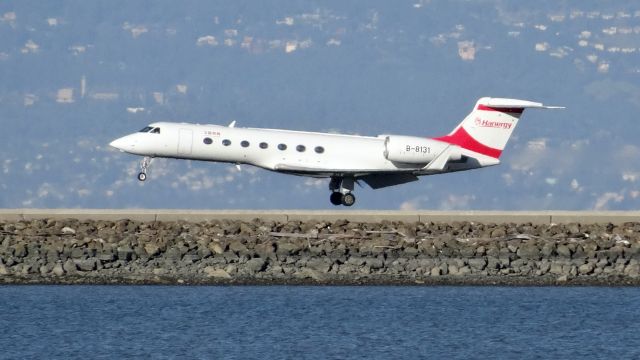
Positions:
(336, 198)
(142, 176)
(348, 199)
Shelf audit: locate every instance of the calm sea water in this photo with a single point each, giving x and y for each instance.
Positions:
(281, 322)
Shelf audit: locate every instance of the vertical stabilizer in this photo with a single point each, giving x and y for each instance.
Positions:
(487, 129)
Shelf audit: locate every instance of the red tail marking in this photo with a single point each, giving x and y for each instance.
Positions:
(505, 110)
(462, 138)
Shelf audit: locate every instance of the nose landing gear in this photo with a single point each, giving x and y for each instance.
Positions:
(341, 191)
(144, 165)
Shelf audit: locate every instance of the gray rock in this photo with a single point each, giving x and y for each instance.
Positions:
(498, 233)
(125, 253)
(44, 269)
(307, 273)
(356, 261)
(573, 271)
(444, 268)
(3, 270)
(428, 248)
(216, 247)
(151, 249)
(477, 264)
(58, 269)
(556, 269)
(190, 258)
(213, 272)
(255, 265)
(70, 267)
(20, 250)
(436, 271)
(238, 248)
(173, 254)
(563, 251)
(67, 231)
(375, 263)
(107, 256)
(160, 271)
(492, 263)
(204, 253)
(586, 269)
(319, 264)
(410, 251)
(467, 251)
(86, 264)
(231, 257)
(548, 249)
(518, 263)
(453, 270)
(77, 253)
(52, 255)
(632, 270)
(529, 252)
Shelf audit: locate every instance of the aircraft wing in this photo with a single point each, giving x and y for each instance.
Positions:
(375, 178)
(321, 171)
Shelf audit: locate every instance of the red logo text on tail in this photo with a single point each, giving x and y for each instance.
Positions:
(492, 124)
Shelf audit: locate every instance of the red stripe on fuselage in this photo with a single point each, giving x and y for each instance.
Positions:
(504, 110)
(462, 138)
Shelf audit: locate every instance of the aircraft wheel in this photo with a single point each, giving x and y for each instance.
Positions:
(336, 198)
(142, 176)
(348, 199)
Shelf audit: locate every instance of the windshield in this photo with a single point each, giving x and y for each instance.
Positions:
(146, 129)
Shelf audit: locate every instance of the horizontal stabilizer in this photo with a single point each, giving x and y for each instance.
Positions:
(441, 160)
(499, 103)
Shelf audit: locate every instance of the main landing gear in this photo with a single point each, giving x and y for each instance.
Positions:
(144, 165)
(341, 191)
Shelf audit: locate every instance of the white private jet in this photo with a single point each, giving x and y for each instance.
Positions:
(381, 161)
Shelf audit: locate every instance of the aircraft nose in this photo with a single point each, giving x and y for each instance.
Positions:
(121, 144)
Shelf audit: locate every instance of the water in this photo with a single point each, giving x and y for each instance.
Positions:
(297, 322)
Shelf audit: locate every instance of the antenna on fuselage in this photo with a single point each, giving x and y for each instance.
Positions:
(232, 124)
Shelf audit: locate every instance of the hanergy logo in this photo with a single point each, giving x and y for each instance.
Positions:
(492, 124)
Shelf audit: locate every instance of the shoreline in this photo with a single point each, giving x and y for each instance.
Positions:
(318, 252)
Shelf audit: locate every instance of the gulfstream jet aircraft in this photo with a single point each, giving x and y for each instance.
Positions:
(381, 161)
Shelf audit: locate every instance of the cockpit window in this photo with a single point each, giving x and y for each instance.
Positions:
(155, 131)
(146, 129)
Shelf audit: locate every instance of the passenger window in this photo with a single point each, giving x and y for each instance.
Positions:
(155, 131)
(264, 145)
(300, 148)
(244, 143)
(319, 149)
(146, 129)
(207, 141)
(226, 142)
(282, 147)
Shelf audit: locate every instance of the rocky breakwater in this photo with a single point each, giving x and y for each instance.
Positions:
(340, 252)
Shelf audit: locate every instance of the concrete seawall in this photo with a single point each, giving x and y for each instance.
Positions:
(534, 217)
(318, 247)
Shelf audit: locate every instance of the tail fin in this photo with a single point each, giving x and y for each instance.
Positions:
(489, 126)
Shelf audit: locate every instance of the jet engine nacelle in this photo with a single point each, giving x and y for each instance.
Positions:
(416, 150)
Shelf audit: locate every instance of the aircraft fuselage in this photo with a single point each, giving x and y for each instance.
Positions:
(381, 161)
